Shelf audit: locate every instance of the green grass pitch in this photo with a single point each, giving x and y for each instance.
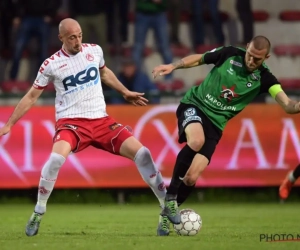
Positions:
(122, 227)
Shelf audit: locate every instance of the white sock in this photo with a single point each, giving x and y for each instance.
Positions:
(291, 177)
(47, 180)
(150, 174)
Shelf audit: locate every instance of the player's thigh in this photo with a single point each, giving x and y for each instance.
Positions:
(76, 132)
(64, 142)
(195, 135)
(190, 127)
(112, 136)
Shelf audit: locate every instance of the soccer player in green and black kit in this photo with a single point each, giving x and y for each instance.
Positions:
(287, 184)
(238, 76)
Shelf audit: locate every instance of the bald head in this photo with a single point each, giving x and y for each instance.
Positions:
(257, 52)
(68, 25)
(261, 43)
(71, 35)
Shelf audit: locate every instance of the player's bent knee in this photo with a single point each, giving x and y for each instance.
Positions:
(190, 179)
(65, 141)
(196, 143)
(143, 153)
(125, 143)
(52, 166)
(56, 160)
(129, 147)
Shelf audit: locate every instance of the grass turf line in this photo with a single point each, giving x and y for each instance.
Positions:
(122, 227)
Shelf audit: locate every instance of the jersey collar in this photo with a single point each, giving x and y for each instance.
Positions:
(66, 54)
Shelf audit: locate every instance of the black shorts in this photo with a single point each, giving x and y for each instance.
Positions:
(188, 113)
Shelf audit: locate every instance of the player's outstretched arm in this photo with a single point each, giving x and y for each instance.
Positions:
(186, 62)
(290, 106)
(23, 106)
(110, 79)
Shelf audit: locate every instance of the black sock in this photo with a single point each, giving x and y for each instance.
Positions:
(183, 162)
(296, 172)
(184, 192)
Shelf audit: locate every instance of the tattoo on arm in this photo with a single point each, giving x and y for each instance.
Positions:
(179, 64)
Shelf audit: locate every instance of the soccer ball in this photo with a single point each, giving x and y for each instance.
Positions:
(191, 223)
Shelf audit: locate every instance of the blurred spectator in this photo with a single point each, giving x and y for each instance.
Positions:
(198, 21)
(117, 20)
(244, 10)
(135, 80)
(91, 15)
(174, 9)
(152, 14)
(33, 18)
(7, 13)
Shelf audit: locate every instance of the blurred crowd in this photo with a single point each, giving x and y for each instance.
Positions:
(27, 28)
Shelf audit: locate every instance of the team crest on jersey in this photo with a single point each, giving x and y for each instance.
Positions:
(89, 57)
(189, 112)
(249, 84)
(228, 94)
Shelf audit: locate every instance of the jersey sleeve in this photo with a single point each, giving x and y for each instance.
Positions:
(44, 76)
(102, 61)
(218, 55)
(269, 83)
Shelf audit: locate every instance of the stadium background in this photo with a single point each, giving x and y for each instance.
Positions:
(258, 148)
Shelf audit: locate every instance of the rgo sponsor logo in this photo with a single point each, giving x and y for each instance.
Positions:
(81, 78)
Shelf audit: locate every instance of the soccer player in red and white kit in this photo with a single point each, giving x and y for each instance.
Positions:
(77, 71)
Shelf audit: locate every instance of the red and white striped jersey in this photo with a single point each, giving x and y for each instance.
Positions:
(77, 82)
